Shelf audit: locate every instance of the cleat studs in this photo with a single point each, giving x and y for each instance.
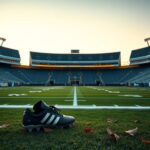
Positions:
(71, 125)
(33, 128)
(29, 130)
(66, 127)
(38, 129)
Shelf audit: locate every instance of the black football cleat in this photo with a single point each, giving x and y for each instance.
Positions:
(45, 116)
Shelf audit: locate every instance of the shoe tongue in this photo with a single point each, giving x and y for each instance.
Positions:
(40, 106)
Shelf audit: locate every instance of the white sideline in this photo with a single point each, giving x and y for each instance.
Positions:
(16, 106)
(137, 107)
(103, 107)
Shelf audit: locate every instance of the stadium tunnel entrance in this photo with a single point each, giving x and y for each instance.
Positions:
(74, 80)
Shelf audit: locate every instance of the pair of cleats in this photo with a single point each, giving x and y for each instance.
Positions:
(45, 116)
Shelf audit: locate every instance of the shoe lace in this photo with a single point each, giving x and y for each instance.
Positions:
(55, 109)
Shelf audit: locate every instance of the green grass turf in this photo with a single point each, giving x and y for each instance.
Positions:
(86, 95)
(14, 137)
(51, 95)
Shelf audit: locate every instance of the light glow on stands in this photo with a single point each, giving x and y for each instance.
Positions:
(21, 66)
(75, 66)
(53, 67)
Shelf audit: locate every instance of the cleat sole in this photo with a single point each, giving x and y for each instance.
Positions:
(38, 128)
(31, 128)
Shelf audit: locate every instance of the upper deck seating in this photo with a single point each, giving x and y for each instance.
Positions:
(9, 56)
(140, 56)
(79, 59)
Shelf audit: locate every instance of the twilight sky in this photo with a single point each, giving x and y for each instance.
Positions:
(57, 26)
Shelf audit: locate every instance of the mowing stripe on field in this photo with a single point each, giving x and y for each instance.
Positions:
(75, 103)
(33, 97)
(71, 100)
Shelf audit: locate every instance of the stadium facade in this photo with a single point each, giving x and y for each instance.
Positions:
(75, 68)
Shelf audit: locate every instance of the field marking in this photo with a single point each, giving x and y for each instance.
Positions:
(78, 100)
(83, 107)
(47, 87)
(35, 91)
(131, 95)
(104, 107)
(75, 103)
(99, 89)
(17, 94)
(16, 106)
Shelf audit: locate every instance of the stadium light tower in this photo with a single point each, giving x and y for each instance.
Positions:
(3, 40)
(147, 40)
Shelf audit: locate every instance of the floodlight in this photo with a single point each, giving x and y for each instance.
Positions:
(3, 40)
(147, 40)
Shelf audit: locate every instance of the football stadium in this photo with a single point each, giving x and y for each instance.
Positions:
(94, 88)
(92, 97)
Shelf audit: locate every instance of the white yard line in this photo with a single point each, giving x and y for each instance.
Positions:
(75, 103)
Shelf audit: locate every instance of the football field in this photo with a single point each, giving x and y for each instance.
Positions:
(14, 136)
(99, 96)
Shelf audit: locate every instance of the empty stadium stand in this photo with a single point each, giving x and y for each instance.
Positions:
(112, 75)
(140, 56)
(80, 77)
